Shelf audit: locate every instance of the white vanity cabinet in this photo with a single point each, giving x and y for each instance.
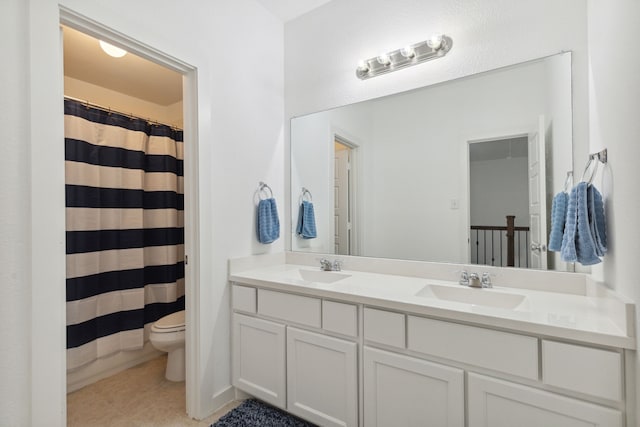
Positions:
(259, 358)
(322, 378)
(348, 363)
(404, 391)
(310, 374)
(497, 403)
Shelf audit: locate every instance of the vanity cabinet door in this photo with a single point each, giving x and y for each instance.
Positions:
(322, 378)
(259, 358)
(403, 391)
(496, 403)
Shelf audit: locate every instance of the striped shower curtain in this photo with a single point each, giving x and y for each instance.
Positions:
(125, 232)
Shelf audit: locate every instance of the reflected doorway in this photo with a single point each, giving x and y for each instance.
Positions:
(343, 197)
(499, 202)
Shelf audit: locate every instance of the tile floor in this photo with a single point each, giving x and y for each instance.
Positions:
(137, 397)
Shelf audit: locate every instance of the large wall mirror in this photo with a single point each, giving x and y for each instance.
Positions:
(462, 171)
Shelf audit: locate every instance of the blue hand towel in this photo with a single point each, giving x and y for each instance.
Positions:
(577, 242)
(596, 220)
(558, 218)
(268, 223)
(306, 221)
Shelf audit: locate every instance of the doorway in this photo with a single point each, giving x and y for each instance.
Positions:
(180, 113)
(499, 201)
(343, 189)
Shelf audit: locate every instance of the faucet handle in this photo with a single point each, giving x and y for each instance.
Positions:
(325, 264)
(486, 280)
(464, 278)
(337, 265)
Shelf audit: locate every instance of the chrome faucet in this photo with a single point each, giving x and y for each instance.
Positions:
(326, 265)
(472, 280)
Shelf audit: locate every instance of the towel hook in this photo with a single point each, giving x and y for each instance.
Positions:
(306, 192)
(262, 187)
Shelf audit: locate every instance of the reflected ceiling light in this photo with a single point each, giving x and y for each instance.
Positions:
(111, 50)
(437, 46)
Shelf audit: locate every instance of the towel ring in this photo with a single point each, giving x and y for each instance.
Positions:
(262, 189)
(306, 192)
(593, 171)
(568, 181)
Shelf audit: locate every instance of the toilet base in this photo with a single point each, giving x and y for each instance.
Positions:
(175, 365)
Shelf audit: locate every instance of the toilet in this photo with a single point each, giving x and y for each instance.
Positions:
(167, 334)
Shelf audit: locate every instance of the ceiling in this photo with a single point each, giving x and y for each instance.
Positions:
(134, 76)
(287, 10)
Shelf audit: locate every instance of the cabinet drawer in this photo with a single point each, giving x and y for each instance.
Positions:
(493, 403)
(243, 298)
(340, 318)
(586, 370)
(384, 327)
(500, 351)
(291, 308)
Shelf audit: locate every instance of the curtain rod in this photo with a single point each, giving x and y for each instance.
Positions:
(111, 110)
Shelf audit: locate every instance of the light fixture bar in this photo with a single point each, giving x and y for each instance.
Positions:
(436, 47)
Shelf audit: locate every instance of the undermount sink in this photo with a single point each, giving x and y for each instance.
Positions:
(320, 276)
(474, 296)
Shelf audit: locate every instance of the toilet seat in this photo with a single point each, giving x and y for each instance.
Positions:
(173, 322)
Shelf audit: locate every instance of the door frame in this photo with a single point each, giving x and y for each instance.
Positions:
(465, 217)
(48, 349)
(339, 135)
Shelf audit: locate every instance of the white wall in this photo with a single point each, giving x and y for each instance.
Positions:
(313, 168)
(240, 120)
(614, 109)
(420, 147)
(15, 248)
(499, 187)
(558, 142)
(123, 103)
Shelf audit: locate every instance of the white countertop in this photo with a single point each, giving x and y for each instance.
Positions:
(580, 318)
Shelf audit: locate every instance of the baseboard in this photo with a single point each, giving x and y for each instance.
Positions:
(241, 395)
(108, 366)
(222, 398)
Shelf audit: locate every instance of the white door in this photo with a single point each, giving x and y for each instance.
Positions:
(341, 204)
(403, 391)
(322, 378)
(259, 358)
(497, 403)
(537, 198)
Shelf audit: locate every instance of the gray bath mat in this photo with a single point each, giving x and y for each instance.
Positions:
(253, 413)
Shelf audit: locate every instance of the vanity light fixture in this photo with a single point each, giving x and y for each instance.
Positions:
(111, 50)
(436, 47)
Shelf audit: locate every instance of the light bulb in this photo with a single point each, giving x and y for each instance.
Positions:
(111, 50)
(384, 59)
(363, 66)
(408, 52)
(435, 42)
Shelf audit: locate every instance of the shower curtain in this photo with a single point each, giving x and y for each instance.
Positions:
(124, 232)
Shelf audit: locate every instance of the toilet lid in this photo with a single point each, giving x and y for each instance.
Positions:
(171, 321)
